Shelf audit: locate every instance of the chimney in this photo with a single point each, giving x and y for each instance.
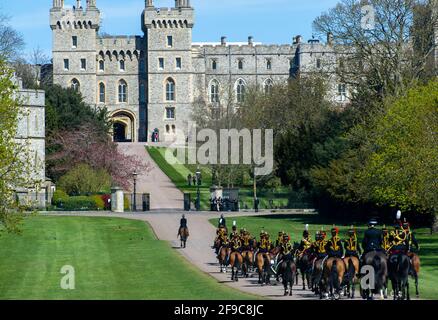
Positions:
(223, 41)
(329, 38)
(250, 40)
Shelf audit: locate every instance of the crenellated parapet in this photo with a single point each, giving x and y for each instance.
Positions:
(77, 17)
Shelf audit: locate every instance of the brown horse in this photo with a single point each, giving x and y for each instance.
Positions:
(183, 234)
(236, 262)
(248, 258)
(415, 270)
(351, 275)
(264, 264)
(334, 271)
(223, 257)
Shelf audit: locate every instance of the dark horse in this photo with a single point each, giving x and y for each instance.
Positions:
(379, 263)
(183, 234)
(288, 271)
(399, 266)
(304, 264)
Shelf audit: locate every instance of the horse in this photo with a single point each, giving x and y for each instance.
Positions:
(378, 261)
(316, 277)
(399, 265)
(288, 271)
(415, 270)
(304, 264)
(350, 279)
(334, 271)
(264, 263)
(248, 257)
(183, 234)
(236, 261)
(223, 257)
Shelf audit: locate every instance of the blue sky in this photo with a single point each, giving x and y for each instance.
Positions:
(269, 21)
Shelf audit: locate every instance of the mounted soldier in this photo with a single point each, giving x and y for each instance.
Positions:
(372, 240)
(334, 245)
(233, 230)
(183, 231)
(386, 243)
(319, 249)
(351, 245)
(222, 223)
(280, 237)
(411, 237)
(306, 242)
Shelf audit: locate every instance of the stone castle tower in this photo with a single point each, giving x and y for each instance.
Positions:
(149, 82)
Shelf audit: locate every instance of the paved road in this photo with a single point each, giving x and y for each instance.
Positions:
(165, 225)
(164, 194)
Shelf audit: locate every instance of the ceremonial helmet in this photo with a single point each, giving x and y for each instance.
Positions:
(334, 231)
(405, 224)
(351, 231)
(372, 223)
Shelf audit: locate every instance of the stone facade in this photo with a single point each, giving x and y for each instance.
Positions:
(162, 71)
(31, 131)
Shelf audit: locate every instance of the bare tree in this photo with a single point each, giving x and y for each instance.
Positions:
(375, 43)
(11, 42)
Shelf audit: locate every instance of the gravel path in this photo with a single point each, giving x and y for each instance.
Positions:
(165, 224)
(163, 193)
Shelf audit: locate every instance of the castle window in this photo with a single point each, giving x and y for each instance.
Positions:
(342, 92)
(268, 64)
(178, 63)
(83, 64)
(268, 86)
(173, 129)
(122, 65)
(214, 92)
(101, 92)
(169, 41)
(74, 41)
(75, 85)
(101, 65)
(214, 64)
(240, 64)
(161, 63)
(170, 113)
(167, 128)
(170, 90)
(318, 63)
(240, 90)
(123, 89)
(66, 64)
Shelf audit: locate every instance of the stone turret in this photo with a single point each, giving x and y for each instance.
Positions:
(182, 3)
(58, 4)
(149, 3)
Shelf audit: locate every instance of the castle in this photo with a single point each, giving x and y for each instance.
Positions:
(149, 83)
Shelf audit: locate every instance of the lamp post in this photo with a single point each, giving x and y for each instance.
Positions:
(198, 183)
(134, 203)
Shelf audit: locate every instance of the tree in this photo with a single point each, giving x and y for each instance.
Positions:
(402, 170)
(87, 145)
(11, 42)
(14, 156)
(376, 58)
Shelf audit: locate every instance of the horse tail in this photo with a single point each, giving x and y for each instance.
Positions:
(334, 275)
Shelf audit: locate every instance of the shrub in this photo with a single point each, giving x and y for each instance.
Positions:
(59, 196)
(84, 180)
(79, 203)
(100, 204)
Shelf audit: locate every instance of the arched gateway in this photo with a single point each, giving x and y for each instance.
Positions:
(124, 126)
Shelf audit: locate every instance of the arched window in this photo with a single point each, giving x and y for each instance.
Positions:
(101, 92)
(214, 91)
(170, 90)
(267, 86)
(167, 128)
(123, 89)
(75, 85)
(214, 64)
(240, 90)
(240, 64)
(173, 129)
(101, 65)
(122, 65)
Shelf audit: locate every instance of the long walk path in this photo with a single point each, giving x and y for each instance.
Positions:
(163, 193)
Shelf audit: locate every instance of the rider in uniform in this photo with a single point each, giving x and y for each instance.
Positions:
(182, 223)
(222, 223)
(399, 241)
(286, 248)
(265, 243)
(236, 244)
(372, 238)
(351, 245)
(280, 237)
(234, 230)
(306, 242)
(411, 237)
(319, 246)
(334, 245)
(386, 243)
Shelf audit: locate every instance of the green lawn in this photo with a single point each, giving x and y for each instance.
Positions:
(113, 259)
(294, 225)
(178, 174)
